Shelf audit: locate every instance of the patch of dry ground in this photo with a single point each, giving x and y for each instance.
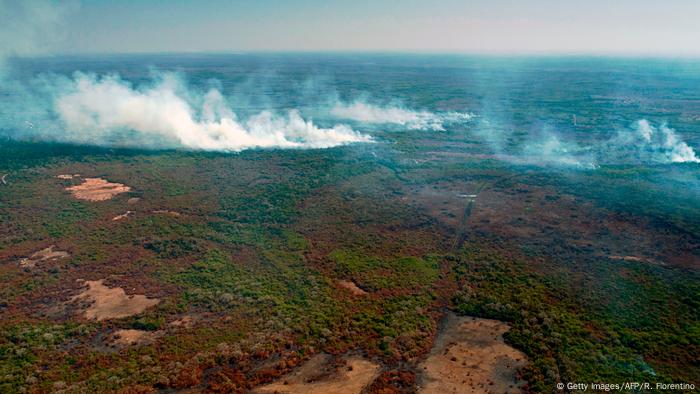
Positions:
(111, 303)
(97, 189)
(635, 259)
(66, 177)
(133, 337)
(352, 287)
(320, 376)
(169, 213)
(123, 216)
(470, 356)
(185, 321)
(543, 218)
(41, 256)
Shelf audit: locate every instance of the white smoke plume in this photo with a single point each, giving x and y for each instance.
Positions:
(550, 150)
(545, 146)
(109, 110)
(660, 144)
(642, 143)
(414, 120)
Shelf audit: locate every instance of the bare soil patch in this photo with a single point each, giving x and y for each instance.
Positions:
(169, 213)
(470, 356)
(635, 259)
(185, 321)
(122, 216)
(320, 375)
(47, 254)
(352, 287)
(111, 303)
(97, 189)
(131, 337)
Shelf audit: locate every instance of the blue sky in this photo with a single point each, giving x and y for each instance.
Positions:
(646, 27)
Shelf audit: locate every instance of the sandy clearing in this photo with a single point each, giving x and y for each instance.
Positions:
(470, 356)
(130, 337)
(133, 200)
(41, 256)
(111, 303)
(319, 376)
(123, 216)
(352, 287)
(67, 176)
(97, 189)
(636, 259)
(185, 321)
(169, 213)
(628, 258)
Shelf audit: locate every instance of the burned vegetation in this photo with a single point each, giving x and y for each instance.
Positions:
(335, 271)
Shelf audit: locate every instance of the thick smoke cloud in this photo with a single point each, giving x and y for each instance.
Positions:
(167, 113)
(109, 110)
(363, 112)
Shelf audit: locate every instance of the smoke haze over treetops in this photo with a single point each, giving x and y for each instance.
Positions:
(164, 111)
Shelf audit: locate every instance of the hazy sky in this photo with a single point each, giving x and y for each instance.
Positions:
(655, 27)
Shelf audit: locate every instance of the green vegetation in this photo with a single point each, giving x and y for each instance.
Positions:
(612, 323)
(376, 273)
(23, 346)
(246, 253)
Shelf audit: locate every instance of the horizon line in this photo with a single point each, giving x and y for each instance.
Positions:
(415, 52)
